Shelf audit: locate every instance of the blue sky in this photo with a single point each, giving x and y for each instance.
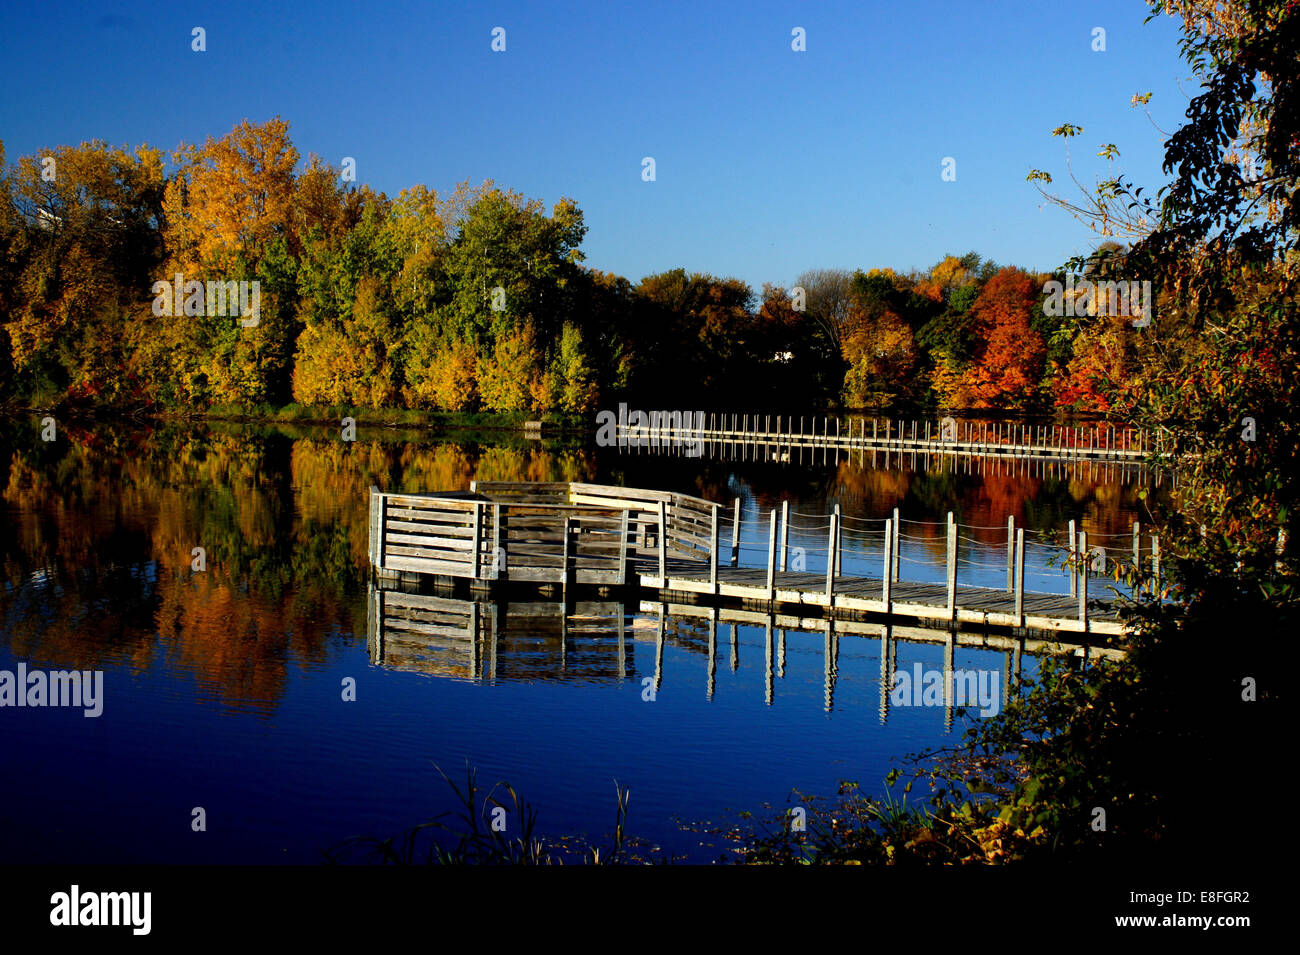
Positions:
(768, 161)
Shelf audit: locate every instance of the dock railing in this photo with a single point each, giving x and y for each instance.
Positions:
(594, 534)
(540, 532)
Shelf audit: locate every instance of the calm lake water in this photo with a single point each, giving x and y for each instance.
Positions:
(223, 689)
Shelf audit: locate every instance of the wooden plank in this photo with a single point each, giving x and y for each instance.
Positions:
(553, 575)
(423, 566)
(432, 553)
(459, 541)
(534, 561)
(393, 542)
(418, 527)
(436, 515)
(409, 502)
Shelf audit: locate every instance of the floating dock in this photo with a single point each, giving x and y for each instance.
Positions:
(666, 546)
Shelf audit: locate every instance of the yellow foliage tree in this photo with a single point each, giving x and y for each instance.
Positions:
(881, 355)
(447, 378)
(348, 365)
(507, 379)
(233, 194)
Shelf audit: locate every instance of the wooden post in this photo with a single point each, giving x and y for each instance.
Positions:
(622, 549)
(735, 536)
(893, 545)
(663, 542)
(839, 532)
(713, 551)
(564, 557)
(499, 550)
(1020, 577)
(381, 532)
(1011, 552)
(771, 557)
(1137, 549)
(830, 561)
(1083, 580)
(785, 533)
(1074, 573)
(372, 544)
(952, 568)
(887, 592)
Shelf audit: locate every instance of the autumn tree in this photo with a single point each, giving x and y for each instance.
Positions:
(1008, 361)
(511, 376)
(81, 238)
(348, 362)
(878, 344)
(231, 197)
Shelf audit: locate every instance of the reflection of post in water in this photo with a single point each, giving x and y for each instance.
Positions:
(832, 664)
(780, 654)
(622, 645)
(886, 670)
(659, 646)
(713, 650)
(735, 650)
(473, 640)
(1008, 661)
(767, 663)
(564, 630)
(491, 628)
(949, 659)
(374, 632)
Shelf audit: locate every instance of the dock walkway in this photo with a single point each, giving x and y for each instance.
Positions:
(668, 544)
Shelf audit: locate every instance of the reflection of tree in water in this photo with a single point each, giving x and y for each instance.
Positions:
(96, 551)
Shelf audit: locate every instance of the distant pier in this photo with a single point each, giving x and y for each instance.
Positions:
(784, 433)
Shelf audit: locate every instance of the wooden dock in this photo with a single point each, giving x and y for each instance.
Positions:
(696, 431)
(933, 603)
(668, 544)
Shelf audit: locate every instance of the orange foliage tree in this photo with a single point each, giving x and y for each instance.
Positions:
(1008, 360)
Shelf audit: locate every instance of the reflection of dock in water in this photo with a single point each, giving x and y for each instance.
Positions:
(594, 642)
(487, 640)
(777, 625)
